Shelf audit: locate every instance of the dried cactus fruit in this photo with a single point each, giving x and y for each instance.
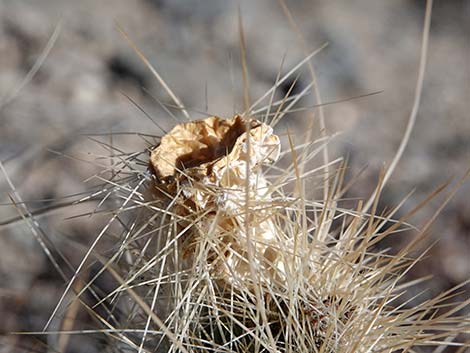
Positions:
(212, 165)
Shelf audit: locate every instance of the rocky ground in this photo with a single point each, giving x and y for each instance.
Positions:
(81, 88)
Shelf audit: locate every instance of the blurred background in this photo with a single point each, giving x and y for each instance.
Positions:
(81, 87)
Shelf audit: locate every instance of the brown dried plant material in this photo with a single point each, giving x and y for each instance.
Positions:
(204, 164)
